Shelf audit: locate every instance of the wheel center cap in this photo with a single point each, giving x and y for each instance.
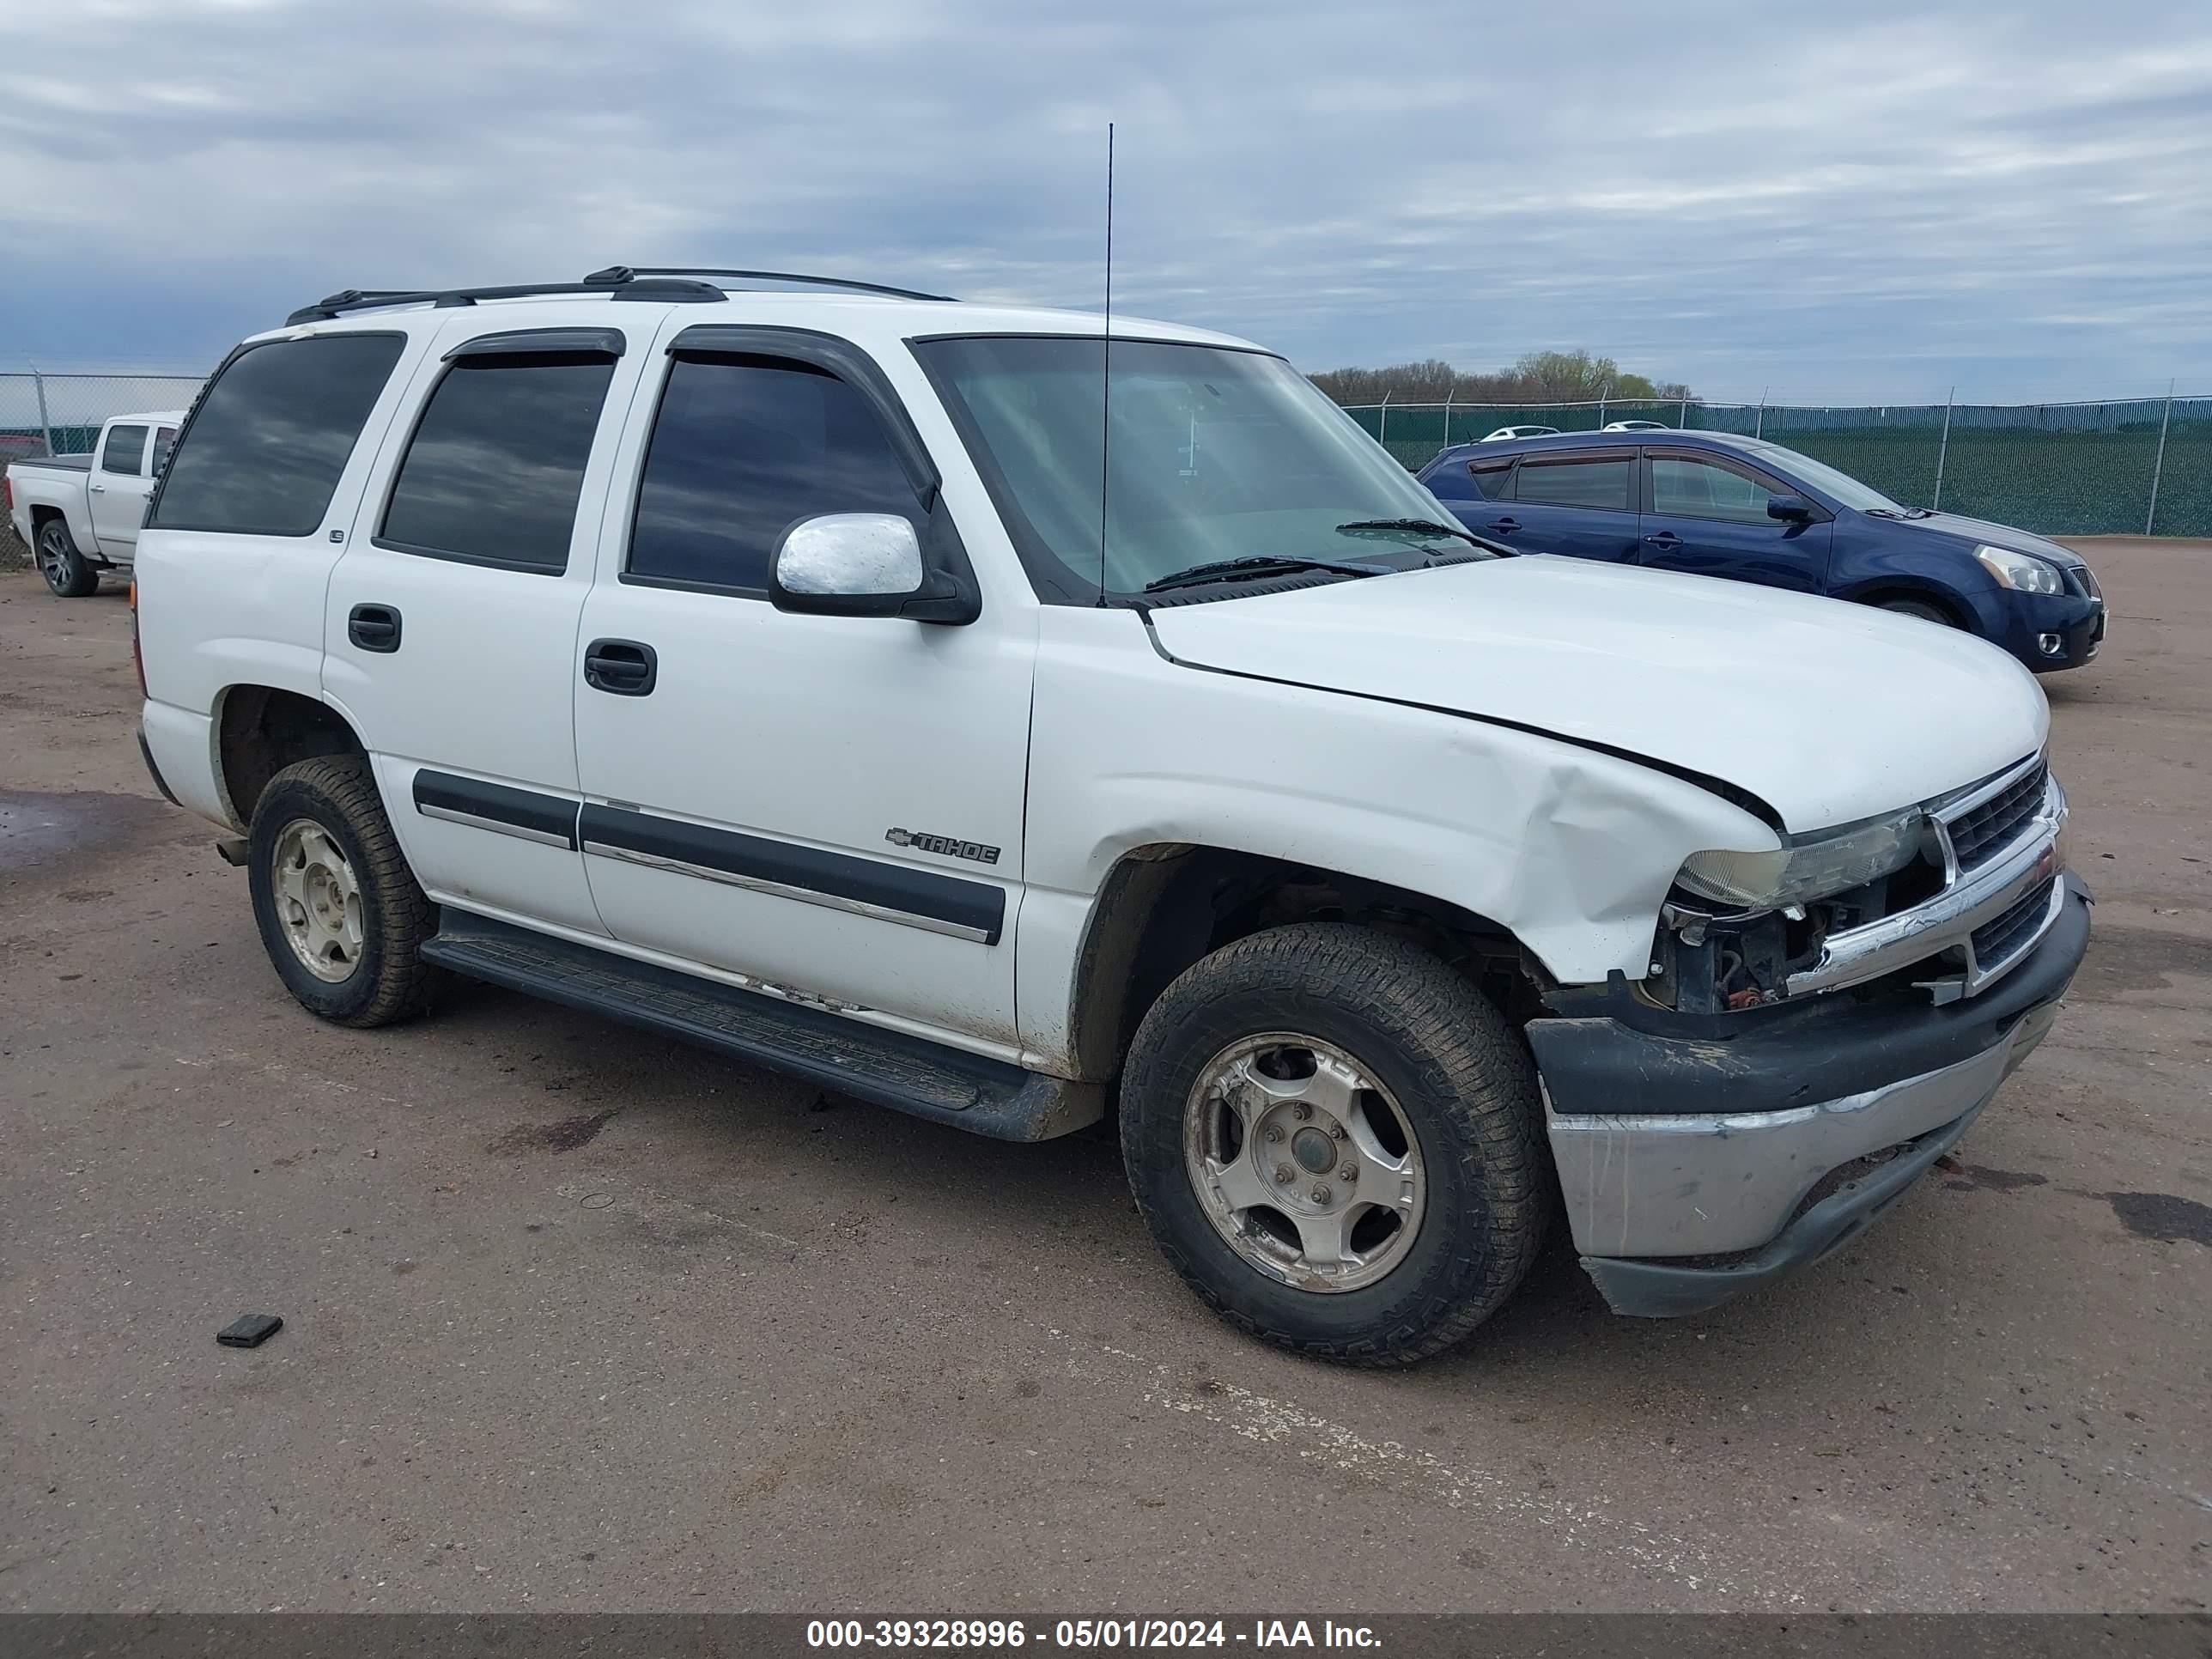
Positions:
(1315, 1152)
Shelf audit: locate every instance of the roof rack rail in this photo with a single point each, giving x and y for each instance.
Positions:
(631, 273)
(355, 299)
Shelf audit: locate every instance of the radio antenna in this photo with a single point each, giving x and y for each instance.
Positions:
(1106, 371)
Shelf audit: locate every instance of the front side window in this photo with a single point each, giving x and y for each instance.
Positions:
(1817, 475)
(1212, 454)
(496, 465)
(262, 454)
(1602, 483)
(742, 449)
(125, 449)
(1687, 489)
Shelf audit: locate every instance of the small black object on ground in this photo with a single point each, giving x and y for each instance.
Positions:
(249, 1330)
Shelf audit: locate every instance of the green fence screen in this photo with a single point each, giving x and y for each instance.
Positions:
(2057, 468)
(2062, 469)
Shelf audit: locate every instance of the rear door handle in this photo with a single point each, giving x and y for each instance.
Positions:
(1664, 538)
(374, 628)
(623, 668)
(96, 489)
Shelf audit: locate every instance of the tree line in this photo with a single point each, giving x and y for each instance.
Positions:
(1538, 377)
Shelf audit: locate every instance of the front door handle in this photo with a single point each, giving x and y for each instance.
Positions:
(1505, 527)
(374, 628)
(623, 668)
(1664, 538)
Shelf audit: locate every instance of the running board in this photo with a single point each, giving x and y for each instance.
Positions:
(887, 1068)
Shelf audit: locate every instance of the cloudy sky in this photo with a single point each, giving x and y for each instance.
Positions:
(1856, 202)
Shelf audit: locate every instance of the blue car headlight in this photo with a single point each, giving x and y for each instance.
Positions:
(2022, 572)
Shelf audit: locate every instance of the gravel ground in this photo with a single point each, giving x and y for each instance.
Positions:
(578, 1319)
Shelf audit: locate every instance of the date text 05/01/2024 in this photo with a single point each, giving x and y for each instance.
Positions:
(1108, 1633)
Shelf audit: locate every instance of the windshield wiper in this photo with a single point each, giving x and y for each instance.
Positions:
(1900, 513)
(1419, 527)
(1265, 564)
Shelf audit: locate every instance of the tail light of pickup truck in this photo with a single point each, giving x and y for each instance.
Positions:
(137, 662)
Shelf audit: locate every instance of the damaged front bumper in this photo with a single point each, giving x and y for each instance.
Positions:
(1701, 1158)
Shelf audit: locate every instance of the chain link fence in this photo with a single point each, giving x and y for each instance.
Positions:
(44, 414)
(2141, 466)
(60, 414)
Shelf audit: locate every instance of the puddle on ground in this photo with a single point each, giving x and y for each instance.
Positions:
(1972, 1175)
(566, 1136)
(38, 828)
(2164, 1217)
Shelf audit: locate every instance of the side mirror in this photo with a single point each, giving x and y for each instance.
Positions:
(848, 564)
(1791, 509)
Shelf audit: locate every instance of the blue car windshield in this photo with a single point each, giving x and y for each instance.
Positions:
(1840, 486)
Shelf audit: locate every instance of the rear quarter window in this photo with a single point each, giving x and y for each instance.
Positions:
(1472, 481)
(262, 453)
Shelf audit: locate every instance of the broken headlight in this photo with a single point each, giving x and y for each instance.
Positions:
(1806, 868)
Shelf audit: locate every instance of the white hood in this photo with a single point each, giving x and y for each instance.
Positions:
(1829, 712)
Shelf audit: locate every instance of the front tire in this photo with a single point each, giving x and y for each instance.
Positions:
(1333, 1137)
(69, 573)
(341, 915)
(1921, 609)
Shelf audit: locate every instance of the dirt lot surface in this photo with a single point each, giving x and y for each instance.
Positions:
(577, 1318)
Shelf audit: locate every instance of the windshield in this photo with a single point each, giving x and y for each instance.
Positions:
(1212, 454)
(1846, 490)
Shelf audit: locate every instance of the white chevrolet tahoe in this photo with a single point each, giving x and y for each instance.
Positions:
(980, 717)
(79, 514)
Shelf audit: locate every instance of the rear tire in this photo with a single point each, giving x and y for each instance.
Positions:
(67, 571)
(342, 917)
(1335, 1139)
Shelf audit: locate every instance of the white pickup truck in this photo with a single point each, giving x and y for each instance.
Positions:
(80, 514)
(945, 705)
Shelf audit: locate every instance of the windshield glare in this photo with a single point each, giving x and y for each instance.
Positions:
(1212, 454)
(1846, 490)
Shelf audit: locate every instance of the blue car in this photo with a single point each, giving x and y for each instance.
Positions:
(1717, 505)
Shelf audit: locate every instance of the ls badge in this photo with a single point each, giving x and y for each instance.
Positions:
(946, 845)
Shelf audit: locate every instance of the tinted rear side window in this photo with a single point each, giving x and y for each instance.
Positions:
(493, 473)
(164, 442)
(125, 450)
(742, 449)
(263, 453)
(1598, 483)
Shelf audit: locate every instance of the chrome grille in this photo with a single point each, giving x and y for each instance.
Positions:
(2005, 848)
(1995, 941)
(1980, 833)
